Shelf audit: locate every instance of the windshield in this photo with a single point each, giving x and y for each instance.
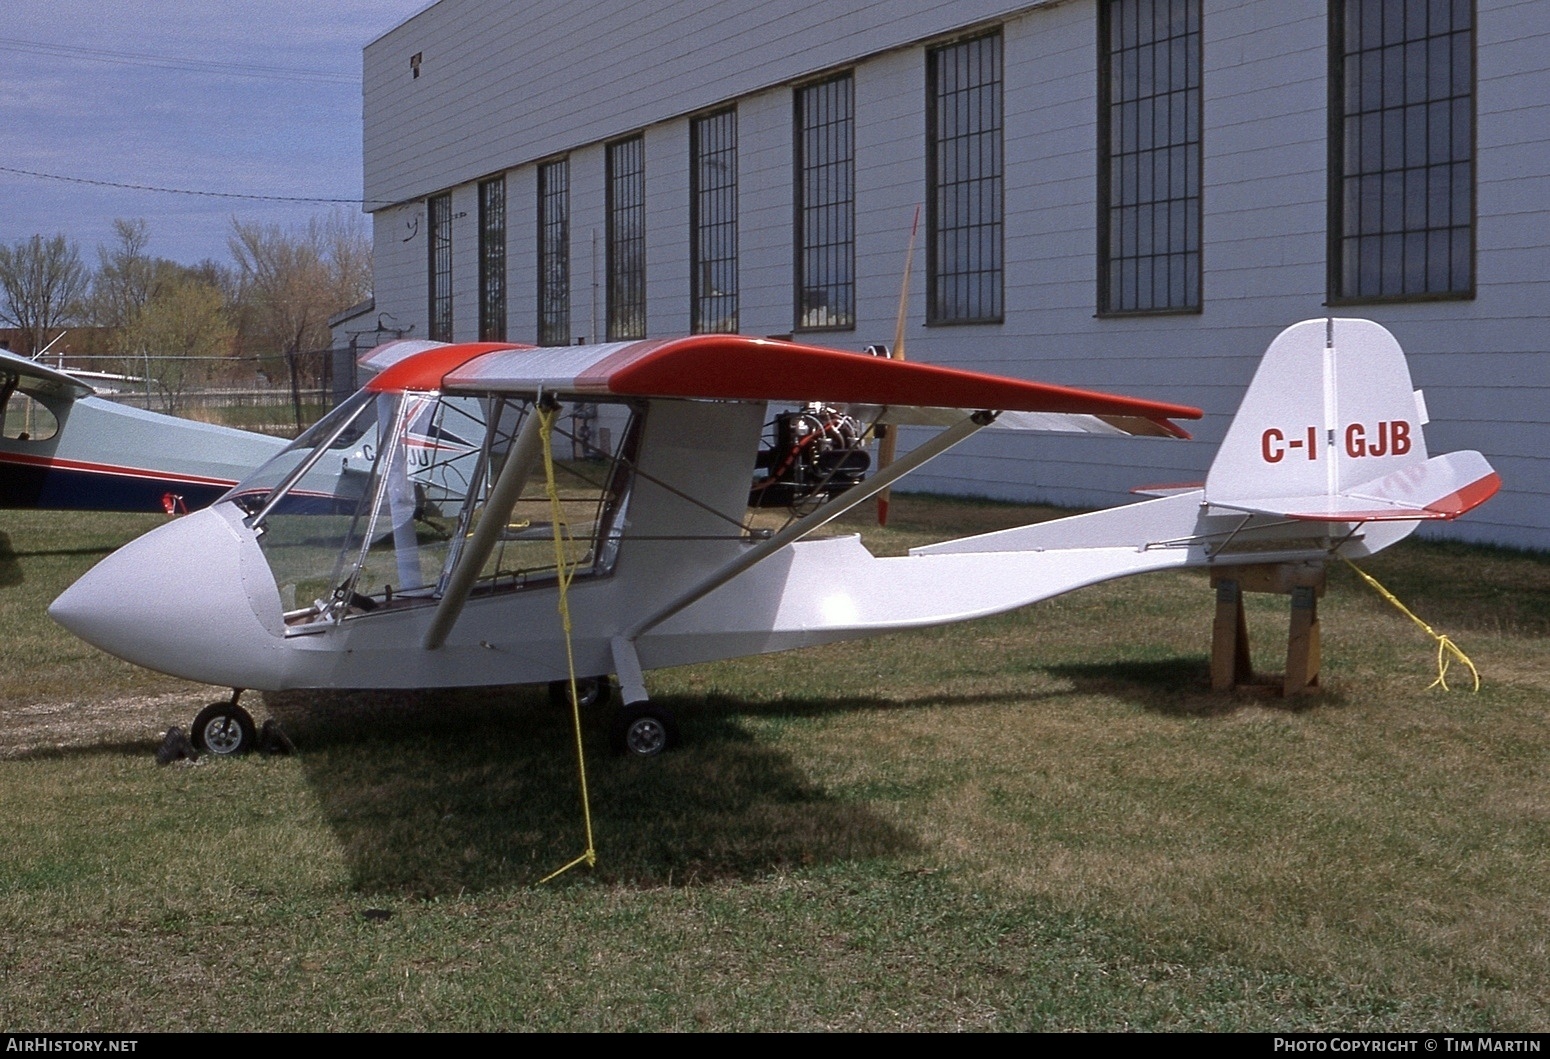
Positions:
(339, 432)
(372, 508)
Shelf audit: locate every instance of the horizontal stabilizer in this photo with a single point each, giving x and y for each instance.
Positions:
(1444, 487)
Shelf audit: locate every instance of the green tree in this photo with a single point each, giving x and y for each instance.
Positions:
(180, 333)
(41, 285)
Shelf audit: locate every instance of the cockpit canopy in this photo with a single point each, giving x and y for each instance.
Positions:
(372, 507)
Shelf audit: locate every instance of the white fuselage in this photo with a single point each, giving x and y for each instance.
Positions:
(222, 621)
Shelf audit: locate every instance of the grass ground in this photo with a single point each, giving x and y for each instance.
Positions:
(1039, 821)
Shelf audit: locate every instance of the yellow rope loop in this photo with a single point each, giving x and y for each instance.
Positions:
(1445, 646)
(564, 572)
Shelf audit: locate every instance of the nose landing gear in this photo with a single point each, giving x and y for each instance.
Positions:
(224, 729)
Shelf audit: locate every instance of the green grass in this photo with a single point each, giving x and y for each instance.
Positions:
(1040, 821)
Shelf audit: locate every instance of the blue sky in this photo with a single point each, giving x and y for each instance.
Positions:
(238, 96)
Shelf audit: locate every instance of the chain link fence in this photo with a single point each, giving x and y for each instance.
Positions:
(280, 395)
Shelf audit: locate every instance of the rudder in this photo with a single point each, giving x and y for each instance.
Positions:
(1332, 430)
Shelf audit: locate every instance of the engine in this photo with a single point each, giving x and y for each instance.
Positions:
(808, 455)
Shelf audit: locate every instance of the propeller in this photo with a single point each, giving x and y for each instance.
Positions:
(887, 441)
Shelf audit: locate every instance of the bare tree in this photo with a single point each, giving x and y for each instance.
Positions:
(291, 282)
(41, 284)
(127, 277)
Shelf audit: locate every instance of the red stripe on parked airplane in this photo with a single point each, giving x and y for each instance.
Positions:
(50, 463)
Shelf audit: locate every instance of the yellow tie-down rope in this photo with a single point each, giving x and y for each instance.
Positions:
(547, 415)
(1445, 646)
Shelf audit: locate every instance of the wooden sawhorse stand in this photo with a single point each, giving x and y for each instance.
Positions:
(1304, 582)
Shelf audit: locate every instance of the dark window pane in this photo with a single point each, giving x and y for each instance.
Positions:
(825, 207)
(626, 250)
(963, 208)
(492, 260)
(439, 221)
(554, 253)
(713, 222)
(1406, 68)
(1150, 144)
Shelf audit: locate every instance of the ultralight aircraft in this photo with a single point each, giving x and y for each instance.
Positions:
(409, 538)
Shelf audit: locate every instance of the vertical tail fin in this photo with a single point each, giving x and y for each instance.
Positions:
(1331, 430)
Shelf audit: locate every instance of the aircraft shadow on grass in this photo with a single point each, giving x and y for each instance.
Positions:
(435, 792)
(10, 569)
(1180, 687)
(445, 792)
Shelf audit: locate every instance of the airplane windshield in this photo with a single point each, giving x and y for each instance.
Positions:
(373, 507)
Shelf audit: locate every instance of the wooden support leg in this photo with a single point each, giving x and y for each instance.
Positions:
(1229, 639)
(1302, 643)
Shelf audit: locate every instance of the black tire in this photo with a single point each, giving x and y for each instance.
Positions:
(643, 729)
(590, 690)
(224, 729)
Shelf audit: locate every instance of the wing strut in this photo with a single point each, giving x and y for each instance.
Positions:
(824, 514)
(524, 456)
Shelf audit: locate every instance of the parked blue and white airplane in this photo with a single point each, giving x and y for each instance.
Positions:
(64, 447)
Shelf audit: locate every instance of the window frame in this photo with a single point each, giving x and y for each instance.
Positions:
(625, 239)
(834, 216)
(553, 246)
(438, 215)
(981, 291)
(1180, 261)
(713, 229)
(1406, 237)
(492, 259)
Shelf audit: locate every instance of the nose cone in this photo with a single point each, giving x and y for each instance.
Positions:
(193, 598)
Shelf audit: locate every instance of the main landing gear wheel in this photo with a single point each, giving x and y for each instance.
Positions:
(643, 730)
(224, 729)
(589, 691)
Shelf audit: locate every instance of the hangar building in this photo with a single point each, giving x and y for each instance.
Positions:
(1130, 195)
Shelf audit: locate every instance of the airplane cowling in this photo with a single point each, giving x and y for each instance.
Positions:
(193, 598)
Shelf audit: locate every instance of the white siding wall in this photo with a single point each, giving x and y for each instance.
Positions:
(764, 233)
(667, 228)
(465, 261)
(519, 79)
(588, 244)
(399, 265)
(522, 254)
(1485, 363)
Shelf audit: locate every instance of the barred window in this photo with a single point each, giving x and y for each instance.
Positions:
(627, 238)
(826, 205)
(492, 260)
(1401, 149)
(554, 253)
(438, 209)
(1150, 150)
(713, 222)
(964, 182)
